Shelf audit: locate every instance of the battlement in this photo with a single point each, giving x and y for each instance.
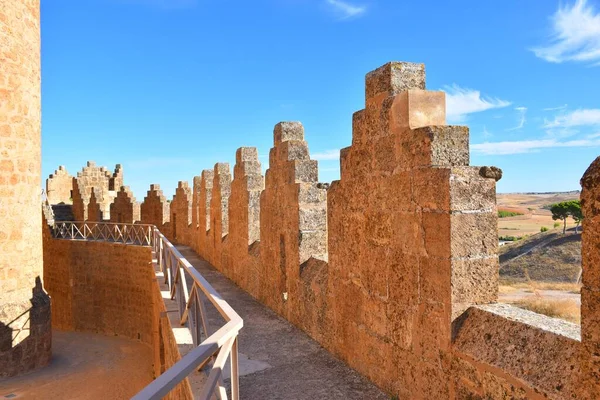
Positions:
(394, 267)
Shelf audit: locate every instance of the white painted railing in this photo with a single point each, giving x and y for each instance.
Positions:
(219, 346)
(216, 347)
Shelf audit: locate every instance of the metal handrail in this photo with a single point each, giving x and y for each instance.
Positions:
(216, 347)
(135, 234)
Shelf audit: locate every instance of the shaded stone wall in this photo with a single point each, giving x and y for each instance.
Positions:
(80, 203)
(219, 213)
(293, 224)
(181, 213)
(125, 209)
(116, 181)
(93, 210)
(59, 186)
(241, 258)
(121, 277)
(204, 218)
(25, 337)
(195, 212)
(154, 210)
(590, 292)
(126, 300)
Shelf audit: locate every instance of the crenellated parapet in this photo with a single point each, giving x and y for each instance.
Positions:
(92, 176)
(80, 202)
(590, 292)
(293, 218)
(244, 218)
(394, 267)
(413, 239)
(116, 180)
(125, 209)
(59, 186)
(204, 219)
(181, 213)
(197, 184)
(154, 210)
(94, 212)
(219, 212)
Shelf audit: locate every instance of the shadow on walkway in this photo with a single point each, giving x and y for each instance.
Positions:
(277, 360)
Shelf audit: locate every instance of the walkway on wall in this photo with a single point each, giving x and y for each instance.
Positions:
(277, 360)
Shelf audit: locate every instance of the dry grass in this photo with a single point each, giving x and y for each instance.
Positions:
(506, 289)
(566, 309)
(549, 257)
(508, 286)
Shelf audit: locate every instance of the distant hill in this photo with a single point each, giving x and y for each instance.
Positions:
(545, 257)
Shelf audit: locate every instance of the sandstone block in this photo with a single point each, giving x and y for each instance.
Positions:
(393, 78)
(285, 131)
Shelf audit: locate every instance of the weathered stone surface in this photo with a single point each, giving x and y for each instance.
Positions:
(204, 213)
(181, 214)
(394, 267)
(394, 78)
(219, 213)
(590, 293)
(94, 211)
(244, 221)
(412, 231)
(25, 336)
(195, 213)
(527, 346)
(154, 210)
(59, 186)
(92, 176)
(124, 209)
(491, 172)
(293, 224)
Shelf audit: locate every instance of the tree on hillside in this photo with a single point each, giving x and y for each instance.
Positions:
(561, 211)
(576, 213)
(565, 209)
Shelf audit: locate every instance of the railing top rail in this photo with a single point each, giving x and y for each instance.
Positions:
(104, 223)
(215, 298)
(166, 381)
(150, 235)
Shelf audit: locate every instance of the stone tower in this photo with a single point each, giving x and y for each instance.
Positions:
(25, 335)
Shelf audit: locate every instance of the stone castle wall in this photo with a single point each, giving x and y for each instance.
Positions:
(125, 209)
(25, 335)
(94, 211)
(59, 186)
(125, 301)
(121, 277)
(394, 267)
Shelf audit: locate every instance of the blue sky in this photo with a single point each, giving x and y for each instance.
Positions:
(168, 88)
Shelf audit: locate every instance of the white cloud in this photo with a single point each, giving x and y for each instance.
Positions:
(556, 108)
(346, 10)
(575, 35)
(581, 117)
(528, 146)
(327, 155)
(486, 133)
(461, 101)
(522, 111)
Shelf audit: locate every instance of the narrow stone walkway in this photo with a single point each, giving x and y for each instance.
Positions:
(277, 360)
